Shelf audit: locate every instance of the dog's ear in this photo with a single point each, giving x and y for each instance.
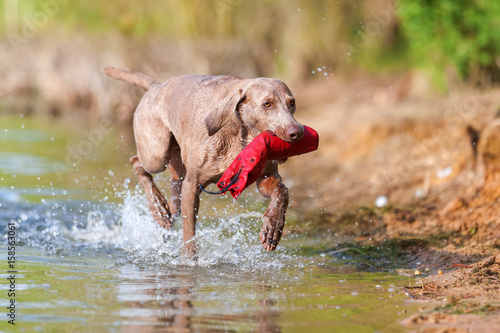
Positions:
(220, 113)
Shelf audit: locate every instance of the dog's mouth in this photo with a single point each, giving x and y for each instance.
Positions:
(291, 133)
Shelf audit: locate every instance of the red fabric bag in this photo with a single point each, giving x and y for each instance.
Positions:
(248, 165)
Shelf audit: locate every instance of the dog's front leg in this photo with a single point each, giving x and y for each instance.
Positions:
(190, 204)
(270, 186)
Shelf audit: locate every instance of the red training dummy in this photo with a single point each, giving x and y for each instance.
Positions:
(248, 165)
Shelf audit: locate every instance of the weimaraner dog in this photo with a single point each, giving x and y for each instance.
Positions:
(196, 125)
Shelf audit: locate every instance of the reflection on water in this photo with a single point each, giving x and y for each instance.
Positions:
(180, 301)
(91, 259)
(174, 301)
(156, 300)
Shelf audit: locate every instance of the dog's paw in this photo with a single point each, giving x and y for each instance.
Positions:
(272, 229)
(161, 211)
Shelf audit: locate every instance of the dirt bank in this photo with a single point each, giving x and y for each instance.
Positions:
(411, 183)
(467, 299)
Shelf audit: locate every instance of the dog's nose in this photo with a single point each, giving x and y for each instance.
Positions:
(295, 132)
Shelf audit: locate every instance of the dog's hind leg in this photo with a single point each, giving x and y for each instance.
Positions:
(157, 202)
(154, 142)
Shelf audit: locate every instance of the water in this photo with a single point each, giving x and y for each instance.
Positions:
(89, 257)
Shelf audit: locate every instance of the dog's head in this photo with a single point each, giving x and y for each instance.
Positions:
(263, 104)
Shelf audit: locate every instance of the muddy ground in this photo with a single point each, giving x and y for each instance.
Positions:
(409, 180)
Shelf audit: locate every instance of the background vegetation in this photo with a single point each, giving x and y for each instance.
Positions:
(464, 34)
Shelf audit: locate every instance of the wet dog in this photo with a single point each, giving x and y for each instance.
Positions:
(196, 125)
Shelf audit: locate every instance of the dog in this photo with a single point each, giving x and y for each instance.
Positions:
(196, 125)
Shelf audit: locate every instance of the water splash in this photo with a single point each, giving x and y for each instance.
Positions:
(227, 239)
(126, 232)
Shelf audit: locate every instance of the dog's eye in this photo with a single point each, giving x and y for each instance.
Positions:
(292, 103)
(266, 105)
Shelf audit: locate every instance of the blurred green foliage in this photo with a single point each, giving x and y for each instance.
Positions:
(462, 33)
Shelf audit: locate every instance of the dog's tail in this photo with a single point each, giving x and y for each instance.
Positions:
(138, 79)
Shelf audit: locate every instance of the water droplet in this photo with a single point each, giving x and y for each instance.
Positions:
(381, 201)
(443, 173)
